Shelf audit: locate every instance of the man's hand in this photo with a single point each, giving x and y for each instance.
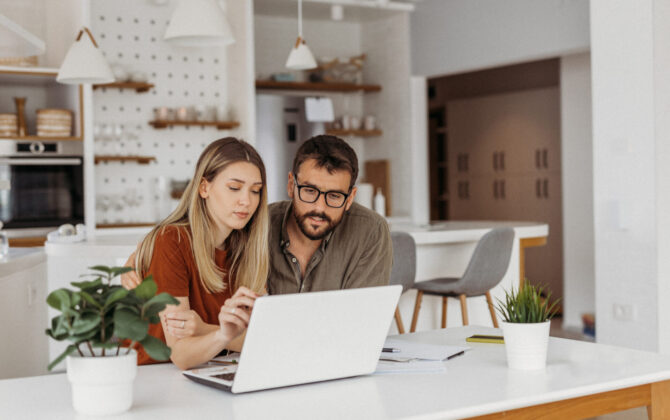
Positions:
(235, 313)
(131, 279)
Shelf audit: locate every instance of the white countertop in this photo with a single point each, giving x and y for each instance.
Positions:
(124, 241)
(476, 383)
(20, 259)
(467, 231)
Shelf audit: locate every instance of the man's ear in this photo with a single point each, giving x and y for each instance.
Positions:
(203, 188)
(350, 199)
(290, 185)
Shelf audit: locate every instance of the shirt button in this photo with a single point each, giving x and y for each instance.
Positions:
(293, 259)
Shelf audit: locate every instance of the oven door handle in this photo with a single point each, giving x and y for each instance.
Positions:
(41, 161)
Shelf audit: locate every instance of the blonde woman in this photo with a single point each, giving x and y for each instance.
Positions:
(211, 253)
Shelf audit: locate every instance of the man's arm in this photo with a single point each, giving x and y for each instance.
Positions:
(374, 266)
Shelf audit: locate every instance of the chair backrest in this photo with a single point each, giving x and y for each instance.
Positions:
(403, 271)
(489, 262)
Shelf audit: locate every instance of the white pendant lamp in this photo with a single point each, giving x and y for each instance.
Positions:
(198, 23)
(84, 63)
(300, 57)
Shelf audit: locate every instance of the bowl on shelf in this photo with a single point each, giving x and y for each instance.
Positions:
(8, 125)
(54, 122)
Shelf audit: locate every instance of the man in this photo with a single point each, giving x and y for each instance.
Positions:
(321, 239)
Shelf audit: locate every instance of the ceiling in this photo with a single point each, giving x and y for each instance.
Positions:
(354, 10)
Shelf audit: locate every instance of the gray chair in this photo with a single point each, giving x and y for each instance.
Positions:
(403, 271)
(487, 267)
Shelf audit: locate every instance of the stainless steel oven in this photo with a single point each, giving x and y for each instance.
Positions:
(41, 185)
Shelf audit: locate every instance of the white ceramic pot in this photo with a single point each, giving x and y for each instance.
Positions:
(526, 344)
(102, 385)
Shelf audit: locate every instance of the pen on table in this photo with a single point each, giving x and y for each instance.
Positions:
(390, 350)
(456, 354)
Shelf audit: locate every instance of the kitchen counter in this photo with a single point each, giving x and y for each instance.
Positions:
(21, 259)
(466, 231)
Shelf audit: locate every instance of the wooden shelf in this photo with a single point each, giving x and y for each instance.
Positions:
(40, 138)
(355, 133)
(221, 125)
(142, 160)
(139, 87)
(329, 87)
(123, 225)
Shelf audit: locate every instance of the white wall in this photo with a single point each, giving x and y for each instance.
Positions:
(577, 176)
(631, 174)
(454, 36)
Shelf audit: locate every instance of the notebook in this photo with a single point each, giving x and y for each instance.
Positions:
(308, 337)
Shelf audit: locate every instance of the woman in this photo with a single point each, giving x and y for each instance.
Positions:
(211, 254)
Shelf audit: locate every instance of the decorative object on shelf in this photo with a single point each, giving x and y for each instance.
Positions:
(221, 125)
(54, 123)
(354, 133)
(364, 195)
(370, 122)
(526, 316)
(300, 57)
(198, 23)
(17, 42)
(349, 70)
(142, 160)
(84, 62)
(312, 86)
(30, 61)
(283, 77)
(21, 116)
(68, 233)
(99, 319)
(380, 203)
(8, 125)
(139, 87)
(319, 109)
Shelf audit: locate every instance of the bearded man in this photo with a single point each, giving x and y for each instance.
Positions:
(321, 239)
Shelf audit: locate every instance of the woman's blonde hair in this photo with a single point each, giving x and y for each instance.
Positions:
(247, 248)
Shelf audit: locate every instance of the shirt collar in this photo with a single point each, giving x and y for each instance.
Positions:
(284, 241)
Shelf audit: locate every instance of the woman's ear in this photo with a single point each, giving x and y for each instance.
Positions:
(203, 188)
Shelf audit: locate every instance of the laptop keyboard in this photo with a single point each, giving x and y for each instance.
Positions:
(225, 376)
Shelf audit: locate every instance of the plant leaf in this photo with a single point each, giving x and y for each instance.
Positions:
(102, 268)
(58, 299)
(88, 298)
(155, 348)
(68, 350)
(128, 324)
(116, 271)
(146, 290)
(85, 323)
(157, 303)
(84, 285)
(116, 295)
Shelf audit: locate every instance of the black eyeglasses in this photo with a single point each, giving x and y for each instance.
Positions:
(310, 194)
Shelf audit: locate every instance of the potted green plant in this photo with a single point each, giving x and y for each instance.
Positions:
(526, 316)
(104, 323)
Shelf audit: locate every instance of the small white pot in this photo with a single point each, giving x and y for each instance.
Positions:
(102, 385)
(526, 344)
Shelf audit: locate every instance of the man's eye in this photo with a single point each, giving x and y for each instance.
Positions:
(309, 190)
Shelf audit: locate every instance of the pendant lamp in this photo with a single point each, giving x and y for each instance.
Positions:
(198, 23)
(300, 57)
(84, 62)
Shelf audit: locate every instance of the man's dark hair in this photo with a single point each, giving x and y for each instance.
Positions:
(330, 152)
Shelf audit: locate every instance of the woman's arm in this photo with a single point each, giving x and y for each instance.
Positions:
(194, 350)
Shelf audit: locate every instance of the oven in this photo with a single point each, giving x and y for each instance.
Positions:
(41, 185)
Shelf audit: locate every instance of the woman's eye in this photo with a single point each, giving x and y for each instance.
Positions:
(256, 191)
(233, 188)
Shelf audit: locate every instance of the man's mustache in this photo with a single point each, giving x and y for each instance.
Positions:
(316, 214)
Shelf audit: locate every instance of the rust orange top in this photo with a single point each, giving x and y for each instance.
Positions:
(174, 271)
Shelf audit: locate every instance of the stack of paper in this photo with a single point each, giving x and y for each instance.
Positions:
(411, 357)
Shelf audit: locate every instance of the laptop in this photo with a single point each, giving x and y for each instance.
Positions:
(308, 337)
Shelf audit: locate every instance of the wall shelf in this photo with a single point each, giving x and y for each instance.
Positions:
(221, 125)
(123, 225)
(355, 133)
(40, 138)
(139, 87)
(142, 160)
(329, 87)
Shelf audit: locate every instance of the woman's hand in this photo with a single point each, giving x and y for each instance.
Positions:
(182, 323)
(235, 313)
(131, 279)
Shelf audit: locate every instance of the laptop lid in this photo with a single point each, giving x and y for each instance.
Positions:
(309, 337)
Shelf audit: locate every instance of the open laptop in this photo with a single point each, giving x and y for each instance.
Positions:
(308, 337)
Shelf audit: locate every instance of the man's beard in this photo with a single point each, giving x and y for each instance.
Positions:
(303, 223)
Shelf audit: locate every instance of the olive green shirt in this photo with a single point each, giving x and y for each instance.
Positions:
(357, 253)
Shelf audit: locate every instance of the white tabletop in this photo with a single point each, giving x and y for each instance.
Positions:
(476, 383)
(455, 231)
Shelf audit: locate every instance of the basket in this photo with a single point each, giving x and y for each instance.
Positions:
(54, 122)
(30, 61)
(8, 125)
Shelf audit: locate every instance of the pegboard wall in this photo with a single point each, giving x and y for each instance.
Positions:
(130, 33)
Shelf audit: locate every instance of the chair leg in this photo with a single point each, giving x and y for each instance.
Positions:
(398, 322)
(444, 312)
(489, 301)
(464, 309)
(417, 306)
